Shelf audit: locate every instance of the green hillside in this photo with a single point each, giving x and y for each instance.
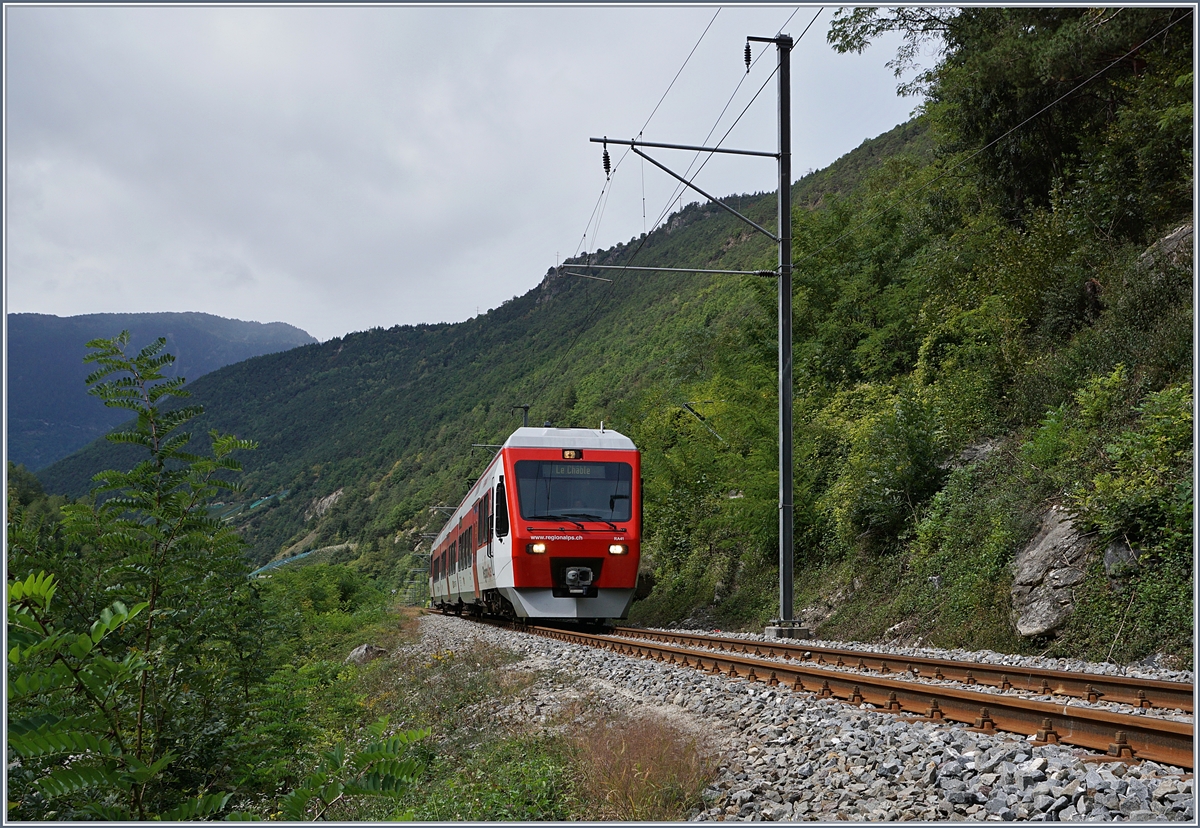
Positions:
(398, 409)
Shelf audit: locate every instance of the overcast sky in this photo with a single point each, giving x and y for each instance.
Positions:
(345, 168)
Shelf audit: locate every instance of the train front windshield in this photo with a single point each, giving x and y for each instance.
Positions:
(552, 489)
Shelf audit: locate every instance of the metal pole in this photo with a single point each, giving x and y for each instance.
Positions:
(786, 507)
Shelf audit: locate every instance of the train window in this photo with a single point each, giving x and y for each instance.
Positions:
(501, 510)
(550, 490)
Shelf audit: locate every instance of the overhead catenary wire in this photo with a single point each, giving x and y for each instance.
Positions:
(600, 199)
(875, 214)
(608, 292)
(583, 239)
(679, 190)
(677, 193)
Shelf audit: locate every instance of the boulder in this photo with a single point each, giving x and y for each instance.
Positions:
(1047, 569)
(364, 653)
(1120, 559)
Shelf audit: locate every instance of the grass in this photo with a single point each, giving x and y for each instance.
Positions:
(579, 764)
(642, 769)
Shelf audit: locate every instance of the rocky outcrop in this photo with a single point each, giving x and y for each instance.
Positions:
(320, 507)
(1120, 559)
(1047, 570)
(1173, 249)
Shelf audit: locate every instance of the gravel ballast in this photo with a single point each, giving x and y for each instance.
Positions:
(792, 756)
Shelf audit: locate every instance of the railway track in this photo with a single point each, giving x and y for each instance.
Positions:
(1115, 735)
(1142, 693)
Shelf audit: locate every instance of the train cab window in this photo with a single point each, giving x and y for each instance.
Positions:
(553, 489)
(501, 510)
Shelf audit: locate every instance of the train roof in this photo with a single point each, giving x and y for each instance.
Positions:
(568, 438)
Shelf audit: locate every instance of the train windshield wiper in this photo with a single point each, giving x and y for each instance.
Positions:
(555, 517)
(590, 517)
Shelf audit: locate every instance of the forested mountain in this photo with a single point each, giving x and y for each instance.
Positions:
(976, 340)
(993, 348)
(50, 413)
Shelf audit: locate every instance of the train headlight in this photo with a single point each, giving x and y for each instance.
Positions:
(618, 549)
(535, 548)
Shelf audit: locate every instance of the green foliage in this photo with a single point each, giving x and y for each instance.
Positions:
(23, 485)
(322, 590)
(378, 767)
(72, 766)
(1126, 471)
(1089, 100)
(165, 680)
(962, 368)
(1144, 495)
(505, 779)
(890, 468)
(1140, 493)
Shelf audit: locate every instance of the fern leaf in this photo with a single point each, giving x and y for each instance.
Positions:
(294, 805)
(74, 779)
(52, 742)
(201, 806)
(107, 813)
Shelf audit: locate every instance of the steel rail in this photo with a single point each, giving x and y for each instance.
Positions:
(1118, 735)
(1169, 695)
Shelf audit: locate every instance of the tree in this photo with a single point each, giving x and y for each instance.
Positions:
(127, 713)
(1039, 93)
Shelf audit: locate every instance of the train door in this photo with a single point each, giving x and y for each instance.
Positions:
(472, 535)
(487, 567)
(487, 519)
(503, 558)
(437, 569)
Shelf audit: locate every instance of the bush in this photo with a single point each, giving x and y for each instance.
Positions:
(890, 469)
(640, 769)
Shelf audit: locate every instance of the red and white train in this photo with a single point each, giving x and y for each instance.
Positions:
(550, 530)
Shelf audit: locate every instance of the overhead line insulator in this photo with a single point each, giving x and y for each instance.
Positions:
(747, 58)
(607, 162)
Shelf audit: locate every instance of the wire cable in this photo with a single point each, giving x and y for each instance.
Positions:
(612, 286)
(601, 202)
(583, 240)
(602, 300)
(679, 188)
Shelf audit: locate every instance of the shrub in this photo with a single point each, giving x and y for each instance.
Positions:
(890, 469)
(640, 769)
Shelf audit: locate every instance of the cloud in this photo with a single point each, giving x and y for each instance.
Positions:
(342, 168)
